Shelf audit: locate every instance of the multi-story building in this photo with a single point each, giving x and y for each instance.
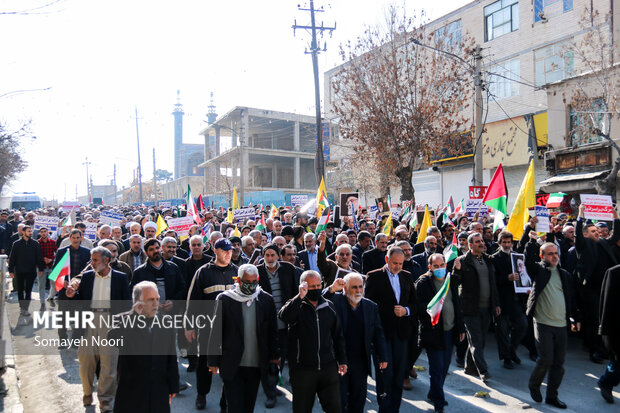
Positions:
(525, 46)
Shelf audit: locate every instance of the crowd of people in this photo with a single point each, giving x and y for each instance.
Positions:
(329, 304)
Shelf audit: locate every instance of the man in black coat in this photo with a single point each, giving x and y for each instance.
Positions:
(148, 372)
(608, 329)
(317, 350)
(475, 274)
(105, 292)
(24, 261)
(430, 247)
(361, 326)
(512, 323)
(364, 243)
(552, 304)
(393, 291)
(594, 257)
(248, 342)
(375, 258)
(277, 278)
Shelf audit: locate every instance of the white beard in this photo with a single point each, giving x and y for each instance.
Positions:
(355, 298)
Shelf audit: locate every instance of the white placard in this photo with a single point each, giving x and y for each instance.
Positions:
(243, 214)
(543, 225)
(598, 207)
(181, 225)
(91, 230)
(111, 218)
(300, 200)
(51, 223)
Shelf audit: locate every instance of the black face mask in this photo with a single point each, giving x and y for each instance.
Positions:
(248, 288)
(313, 295)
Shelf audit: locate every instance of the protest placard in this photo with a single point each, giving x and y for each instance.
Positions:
(243, 214)
(51, 223)
(542, 213)
(349, 202)
(91, 231)
(69, 206)
(524, 284)
(474, 205)
(180, 225)
(372, 211)
(300, 200)
(598, 207)
(111, 218)
(165, 204)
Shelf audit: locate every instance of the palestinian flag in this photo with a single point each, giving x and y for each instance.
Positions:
(60, 270)
(451, 251)
(555, 199)
(387, 228)
(206, 230)
(201, 204)
(450, 208)
(322, 225)
(436, 304)
(496, 196)
(414, 219)
(191, 207)
(321, 199)
(261, 225)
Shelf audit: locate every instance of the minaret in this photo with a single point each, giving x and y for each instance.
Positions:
(211, 115)
(178, 134)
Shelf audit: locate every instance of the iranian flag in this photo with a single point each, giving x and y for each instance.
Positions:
(436, 304)
(460, 209)
(496, 196)
(322, 225)
(261, 225)
(555, 199)
(191, 206)
(451, 251)
(61, 270)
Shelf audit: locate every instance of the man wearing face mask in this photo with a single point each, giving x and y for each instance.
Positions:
(430, 247)
(362, 330)
(249, 339)
(512, 323)
(439, 335)
(317, 350)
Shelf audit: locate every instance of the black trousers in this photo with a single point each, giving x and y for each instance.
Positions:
(390, 380)
(25, 281)
(269, 380)
(511, 327)
(203, 376)
(589, 303)
(353, 386)
(241, 390)
(324, 383)
(551, 343)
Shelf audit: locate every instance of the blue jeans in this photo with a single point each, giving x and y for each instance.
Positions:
(438, 365)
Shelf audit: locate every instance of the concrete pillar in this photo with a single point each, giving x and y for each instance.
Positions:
(274, 176)
(296, 172)
(217, 141)
(296, 137)
(217, 177)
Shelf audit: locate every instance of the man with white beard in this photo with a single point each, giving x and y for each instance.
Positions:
(362, 329)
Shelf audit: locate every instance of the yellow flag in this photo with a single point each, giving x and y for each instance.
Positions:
(387, 228)
(321, 199)
(230, 217)
(235, 203)
(525, 200)
(161, 225)
(236, 233)
(426, 223)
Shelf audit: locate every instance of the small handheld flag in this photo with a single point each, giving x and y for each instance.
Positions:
(435, 306)
(60, 270)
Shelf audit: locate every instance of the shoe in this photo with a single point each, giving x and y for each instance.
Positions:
(596, 358)
(407, 384)
(42, 308)
(485, 376)
(508, 364)
(201, 402)
(460, 362)
(182, 386)
(26, 313)
(607, 394)
(270, 403)
(471, 373)
(556, 403)
(535, 394)
(413, 373)
(87, 400)
(516, 359)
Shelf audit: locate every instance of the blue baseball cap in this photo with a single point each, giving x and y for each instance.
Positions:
(223, 244)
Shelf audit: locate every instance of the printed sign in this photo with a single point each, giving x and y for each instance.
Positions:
(346, 199)
(474, 205)
(68, 206)
(542, 213)
(243, 214)
(524, 284)
(181, 225)
(300, 200)
(91, 231)
(372, 211)
(111, 218)
(165, 204)
(541, 199)
(51, 223)
(396, 213)
(477, 192)
(598, 207)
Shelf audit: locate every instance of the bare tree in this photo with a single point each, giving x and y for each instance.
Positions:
(594, 95)
(399, 102)
(12, 161)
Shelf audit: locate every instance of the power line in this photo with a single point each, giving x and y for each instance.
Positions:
(495, 62)
(507, 115)
(512, 80)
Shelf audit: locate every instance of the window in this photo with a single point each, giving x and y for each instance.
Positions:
(550, 8)
(501, 17)
(553, 63)
(449, 36)
(582, 121)
(503, 86)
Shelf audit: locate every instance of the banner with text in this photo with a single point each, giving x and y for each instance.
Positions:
(598, 207)
(181, 225)
(111, 218)
(51, 223)
(543, 225)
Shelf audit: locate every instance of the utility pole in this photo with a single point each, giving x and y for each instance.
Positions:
(87, 180)
(478, 126)
(315, 49)
(154, 180)
(76, 196)
(139, 164)
(115, 187)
